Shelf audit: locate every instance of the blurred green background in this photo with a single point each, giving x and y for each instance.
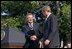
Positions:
(16, 11)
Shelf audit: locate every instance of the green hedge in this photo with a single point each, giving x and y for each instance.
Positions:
(64, 22)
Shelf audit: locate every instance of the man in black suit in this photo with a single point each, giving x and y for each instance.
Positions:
(50, 36)
(30, 29)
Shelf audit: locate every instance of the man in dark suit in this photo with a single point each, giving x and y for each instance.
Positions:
(30, 29)
(50, 36)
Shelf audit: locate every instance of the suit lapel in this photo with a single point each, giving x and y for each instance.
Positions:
(27, 27)
(34, 26)
(47, 22)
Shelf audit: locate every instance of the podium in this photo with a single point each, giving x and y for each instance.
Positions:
(12, 38)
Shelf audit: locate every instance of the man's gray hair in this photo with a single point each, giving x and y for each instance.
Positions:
(46, 8)
(28, 14)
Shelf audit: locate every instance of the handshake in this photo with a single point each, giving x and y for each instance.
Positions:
(32, 35)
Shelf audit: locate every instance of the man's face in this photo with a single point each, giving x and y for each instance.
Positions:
(45, 13)
(29, 18)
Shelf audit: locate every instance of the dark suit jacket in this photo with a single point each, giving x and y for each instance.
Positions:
(51, 31)
(28, 32)
(26, 28)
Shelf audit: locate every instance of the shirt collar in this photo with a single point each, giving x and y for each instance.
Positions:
(47, 16)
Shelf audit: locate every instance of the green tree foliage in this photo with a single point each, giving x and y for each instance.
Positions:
(18, 8)
(64, 22)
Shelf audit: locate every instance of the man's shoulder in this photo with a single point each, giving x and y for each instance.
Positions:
(52, 16)
(24, 25)
(36, 23)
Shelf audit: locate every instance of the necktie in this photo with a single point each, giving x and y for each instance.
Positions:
(30, 25)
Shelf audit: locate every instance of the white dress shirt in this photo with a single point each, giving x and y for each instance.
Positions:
(31, 25)
(47, 16)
